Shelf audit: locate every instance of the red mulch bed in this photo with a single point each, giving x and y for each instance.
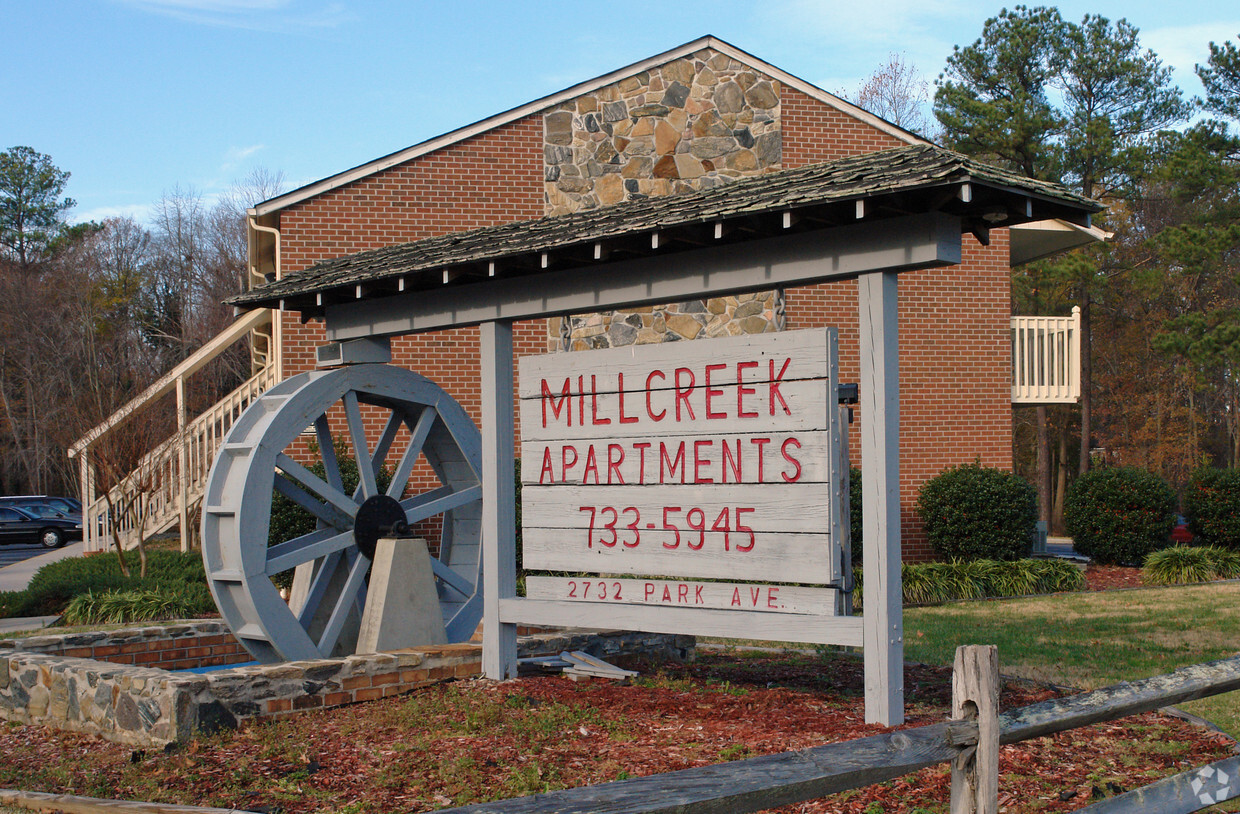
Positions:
(474, 740)
(1107, 577)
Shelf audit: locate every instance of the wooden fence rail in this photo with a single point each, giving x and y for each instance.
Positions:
(770, 781)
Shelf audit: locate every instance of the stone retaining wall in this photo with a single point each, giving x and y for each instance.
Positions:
(142, 706)
(170, 647)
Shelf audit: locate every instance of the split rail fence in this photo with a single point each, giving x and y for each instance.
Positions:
(969, 741)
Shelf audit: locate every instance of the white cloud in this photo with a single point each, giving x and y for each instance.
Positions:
(236, 155)
(257, 15)
(139, 212)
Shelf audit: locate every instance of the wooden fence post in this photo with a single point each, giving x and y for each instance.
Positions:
(975, 696)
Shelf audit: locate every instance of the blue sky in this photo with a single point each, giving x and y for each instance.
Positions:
(134, 97)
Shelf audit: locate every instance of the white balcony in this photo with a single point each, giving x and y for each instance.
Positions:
(1046, 359)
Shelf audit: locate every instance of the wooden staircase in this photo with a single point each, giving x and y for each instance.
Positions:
(165, 488)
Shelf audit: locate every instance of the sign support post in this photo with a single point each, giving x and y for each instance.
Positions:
(499, 545)
(880, 489)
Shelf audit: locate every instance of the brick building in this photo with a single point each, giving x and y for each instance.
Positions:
(697, 117)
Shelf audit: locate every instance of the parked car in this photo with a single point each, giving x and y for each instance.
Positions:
(67, 505)
(17, 526)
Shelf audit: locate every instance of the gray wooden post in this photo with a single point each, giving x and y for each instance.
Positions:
(975, 696)
(499, 542)
(182, 467)
(880, 490)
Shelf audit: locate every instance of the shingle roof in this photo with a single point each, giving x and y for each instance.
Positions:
(901, 180)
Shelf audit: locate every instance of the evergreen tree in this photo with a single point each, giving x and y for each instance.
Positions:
(31, 206)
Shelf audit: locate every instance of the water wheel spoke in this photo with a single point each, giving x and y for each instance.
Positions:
(451, 578)
(325, 513)
(293, 472)
(396, 420)
(327, 450)
(346, 602)
(307, 547)
(438, 501)
(361, 447)
(418, 430)
(318, 588)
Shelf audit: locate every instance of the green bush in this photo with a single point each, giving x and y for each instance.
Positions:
(931, 583)
(1119, 514)
(974, 512)
(56, 584)
(1180, 565)
(854, 513)
(139, 605)
(1212, 504)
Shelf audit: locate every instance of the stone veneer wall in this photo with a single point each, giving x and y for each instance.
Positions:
(143, 706)
(756, 313)
(690, 124)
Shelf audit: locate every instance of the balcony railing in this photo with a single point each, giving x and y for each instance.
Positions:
(1046, 359)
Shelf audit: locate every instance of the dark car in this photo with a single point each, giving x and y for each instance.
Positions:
(65, 505)
(17, 526)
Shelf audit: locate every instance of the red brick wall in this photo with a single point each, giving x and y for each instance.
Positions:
(955, 356)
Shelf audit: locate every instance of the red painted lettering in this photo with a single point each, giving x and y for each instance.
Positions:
(682, 593)
(565, 463)
(772, 598)
(624, 419)
(754, 593)
(547, 467)
(591, 466)
(783, 449)
(742, 391)
(671, 464)
(760, 443)
(730, 462)
(649, 591)
(700, 461)
(667, 594)
(773, 387)
(613, 463)
(697, 595)
(594, 419)
(683, 393)
(563, 405)
(649, 390)
(581, 400)
(712, 392)
(641, 460)
(736, 597)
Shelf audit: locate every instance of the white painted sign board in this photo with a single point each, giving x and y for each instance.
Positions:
(651, 466)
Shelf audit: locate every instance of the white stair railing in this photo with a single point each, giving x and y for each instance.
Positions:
(1046, 359)
(163, 488)
(150, 499)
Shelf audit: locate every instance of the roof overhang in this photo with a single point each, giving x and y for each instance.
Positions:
(1039, 240)
(508, 116)
(468, 277)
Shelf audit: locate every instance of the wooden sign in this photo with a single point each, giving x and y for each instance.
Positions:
(713, 459)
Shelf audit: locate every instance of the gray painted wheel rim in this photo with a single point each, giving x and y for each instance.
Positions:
(418, 418)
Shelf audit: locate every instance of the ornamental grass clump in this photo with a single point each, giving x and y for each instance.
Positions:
(976, 512)
(1118, 515)
(118, 607)
(1182, 565)
(933, 583)
(1212, 503)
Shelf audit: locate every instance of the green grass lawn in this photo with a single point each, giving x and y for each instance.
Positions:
(1091, 640)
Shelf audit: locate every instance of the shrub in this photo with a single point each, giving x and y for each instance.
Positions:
(1119, 514)
(1180, 565)
(976, 512)
(56, 584)
(854, 513)
(139, 605)
(1212, 504)
(931, 583)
